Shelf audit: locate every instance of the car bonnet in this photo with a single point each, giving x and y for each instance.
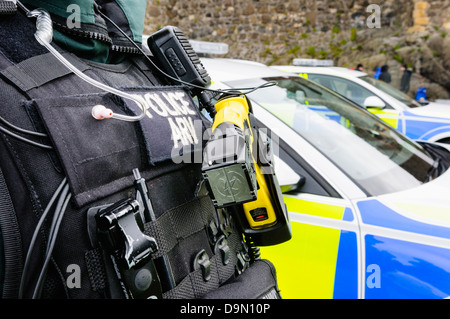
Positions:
(428, 203)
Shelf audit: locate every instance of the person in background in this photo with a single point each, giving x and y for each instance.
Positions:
(359, 67)
(385, 75)
(377, 72)
(406, 78)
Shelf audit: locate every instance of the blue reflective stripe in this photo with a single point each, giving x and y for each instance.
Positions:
(430, 134)
(346, 276)
(405, 270)
(423, 127)
(348, 215)
(375, 213)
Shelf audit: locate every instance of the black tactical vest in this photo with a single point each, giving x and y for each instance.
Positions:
(52, 191)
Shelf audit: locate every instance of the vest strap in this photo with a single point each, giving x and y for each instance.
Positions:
(39, 70)
(10, 236)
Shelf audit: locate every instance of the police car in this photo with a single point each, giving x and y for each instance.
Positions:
(369, 208)
(429, 122)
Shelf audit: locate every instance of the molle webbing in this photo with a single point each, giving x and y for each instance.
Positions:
(177, 228)
(11, 242)
(182, 223)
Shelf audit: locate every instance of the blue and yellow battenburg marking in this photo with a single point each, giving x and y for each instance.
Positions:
(391, 117)
(409, 266)
(414, 126)
(318, 262)
(411, 256)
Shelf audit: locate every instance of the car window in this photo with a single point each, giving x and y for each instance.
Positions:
(375, 156)
(392, 91)
(349, 89)
(312, 183)
(309, 180)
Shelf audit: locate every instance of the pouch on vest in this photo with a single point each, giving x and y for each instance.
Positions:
(98, 156)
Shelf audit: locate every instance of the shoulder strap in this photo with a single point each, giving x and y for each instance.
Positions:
(10, 240)
(39, 70)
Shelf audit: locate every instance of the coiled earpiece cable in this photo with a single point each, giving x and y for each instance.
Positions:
(44, 35)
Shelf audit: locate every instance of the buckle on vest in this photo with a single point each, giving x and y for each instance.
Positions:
(120, 226)
(221, 248)
(202, 261)
(243, 259)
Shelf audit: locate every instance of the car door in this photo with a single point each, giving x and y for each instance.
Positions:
(321, 259)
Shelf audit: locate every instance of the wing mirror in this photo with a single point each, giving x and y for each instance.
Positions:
(374, 102)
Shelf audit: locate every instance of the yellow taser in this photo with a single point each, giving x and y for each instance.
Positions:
(235, 109)
(233, 176)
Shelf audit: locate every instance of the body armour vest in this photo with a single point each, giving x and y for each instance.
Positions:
(74, 190)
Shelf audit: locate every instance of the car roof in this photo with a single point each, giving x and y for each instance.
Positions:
(333, 70)
(234, 69)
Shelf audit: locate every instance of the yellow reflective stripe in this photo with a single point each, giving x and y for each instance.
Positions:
(435, 214)
(313, 208)
(390, 117)
(306, 264)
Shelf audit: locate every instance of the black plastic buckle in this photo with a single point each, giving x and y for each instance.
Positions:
(120, 227)
(225, 221)
(243, 259)
(120, 231)
(201, 261)
(221, 248)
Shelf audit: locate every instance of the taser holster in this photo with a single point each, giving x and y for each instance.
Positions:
(234, 176)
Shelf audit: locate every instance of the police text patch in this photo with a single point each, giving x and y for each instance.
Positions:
(172, 127)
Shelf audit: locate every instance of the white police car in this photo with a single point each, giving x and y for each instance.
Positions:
(430, 122)
(369, 208)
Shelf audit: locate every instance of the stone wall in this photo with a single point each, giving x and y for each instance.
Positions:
(276, 32)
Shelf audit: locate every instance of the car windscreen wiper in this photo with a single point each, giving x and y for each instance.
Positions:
(433, 172)
(441, 157)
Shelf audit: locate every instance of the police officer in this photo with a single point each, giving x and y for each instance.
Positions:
(99, 208)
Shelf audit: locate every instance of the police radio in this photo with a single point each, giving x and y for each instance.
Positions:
(231, 174)
(175, 55)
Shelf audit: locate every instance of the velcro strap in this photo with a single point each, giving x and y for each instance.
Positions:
(41, 69)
